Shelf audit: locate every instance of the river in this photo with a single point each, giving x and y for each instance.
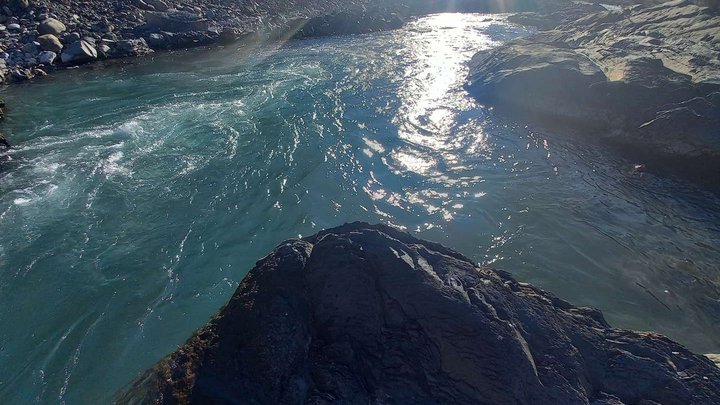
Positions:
(139, 195)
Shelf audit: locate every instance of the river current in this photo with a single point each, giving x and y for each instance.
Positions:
(138, 196)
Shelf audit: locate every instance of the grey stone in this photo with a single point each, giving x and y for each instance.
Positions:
(51, 26)
(47, 57)
(50, 42)
(158, 5)
(70, 38)
(78, 52)
(20, 74)
(4, 144)
(22, 4)
(103, 50)
(130, 47)
(176, 22)
(157, 41)
(31, 48)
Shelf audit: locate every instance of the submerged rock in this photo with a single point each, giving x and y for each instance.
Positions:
(368, 314)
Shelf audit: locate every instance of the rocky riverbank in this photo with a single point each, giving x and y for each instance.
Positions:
(40, 36)
(368, 314)
(643, 78)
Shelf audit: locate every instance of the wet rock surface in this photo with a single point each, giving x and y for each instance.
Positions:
(368, 314)
(646, 78)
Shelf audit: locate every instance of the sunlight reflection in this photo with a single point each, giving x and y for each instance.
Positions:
(413, 162)
(437, 139)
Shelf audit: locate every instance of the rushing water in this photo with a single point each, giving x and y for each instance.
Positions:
(138, 196)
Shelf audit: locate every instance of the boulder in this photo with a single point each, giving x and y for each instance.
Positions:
(640, 78)
(129, 47)
(70, 38)
(50, 42)
(19, 74)
(47, 57)
(31, 48)
(78, 52)
(157, 41)
(51, 26)
(103, 50)
(4, 144)
(103, 27)
(143, 5)
(344, 23)
(179, 21)
(158, 5)
(21, 4)
(366, 314)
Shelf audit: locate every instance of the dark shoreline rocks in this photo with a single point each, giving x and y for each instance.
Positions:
(646, 79)
(368, 314)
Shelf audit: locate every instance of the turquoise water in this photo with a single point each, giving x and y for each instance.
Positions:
(138, 196)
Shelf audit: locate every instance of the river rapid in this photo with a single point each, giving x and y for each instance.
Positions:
(138, 196)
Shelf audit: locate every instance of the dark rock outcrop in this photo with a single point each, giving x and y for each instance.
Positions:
(176, 22)
(368, 314)
(4, 144)
(646, 78)
(79, 52)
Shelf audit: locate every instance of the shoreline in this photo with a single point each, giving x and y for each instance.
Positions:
(47, 36)
(588, 107)
(643, 79)
(39, 38)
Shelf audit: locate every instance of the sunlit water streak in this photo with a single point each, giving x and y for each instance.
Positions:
(138, 197)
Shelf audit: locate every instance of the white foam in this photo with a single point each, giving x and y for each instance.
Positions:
(22, 201)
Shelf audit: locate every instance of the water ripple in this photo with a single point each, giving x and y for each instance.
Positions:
(131, 212)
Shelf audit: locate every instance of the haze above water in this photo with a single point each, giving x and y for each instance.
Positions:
(138, 196)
